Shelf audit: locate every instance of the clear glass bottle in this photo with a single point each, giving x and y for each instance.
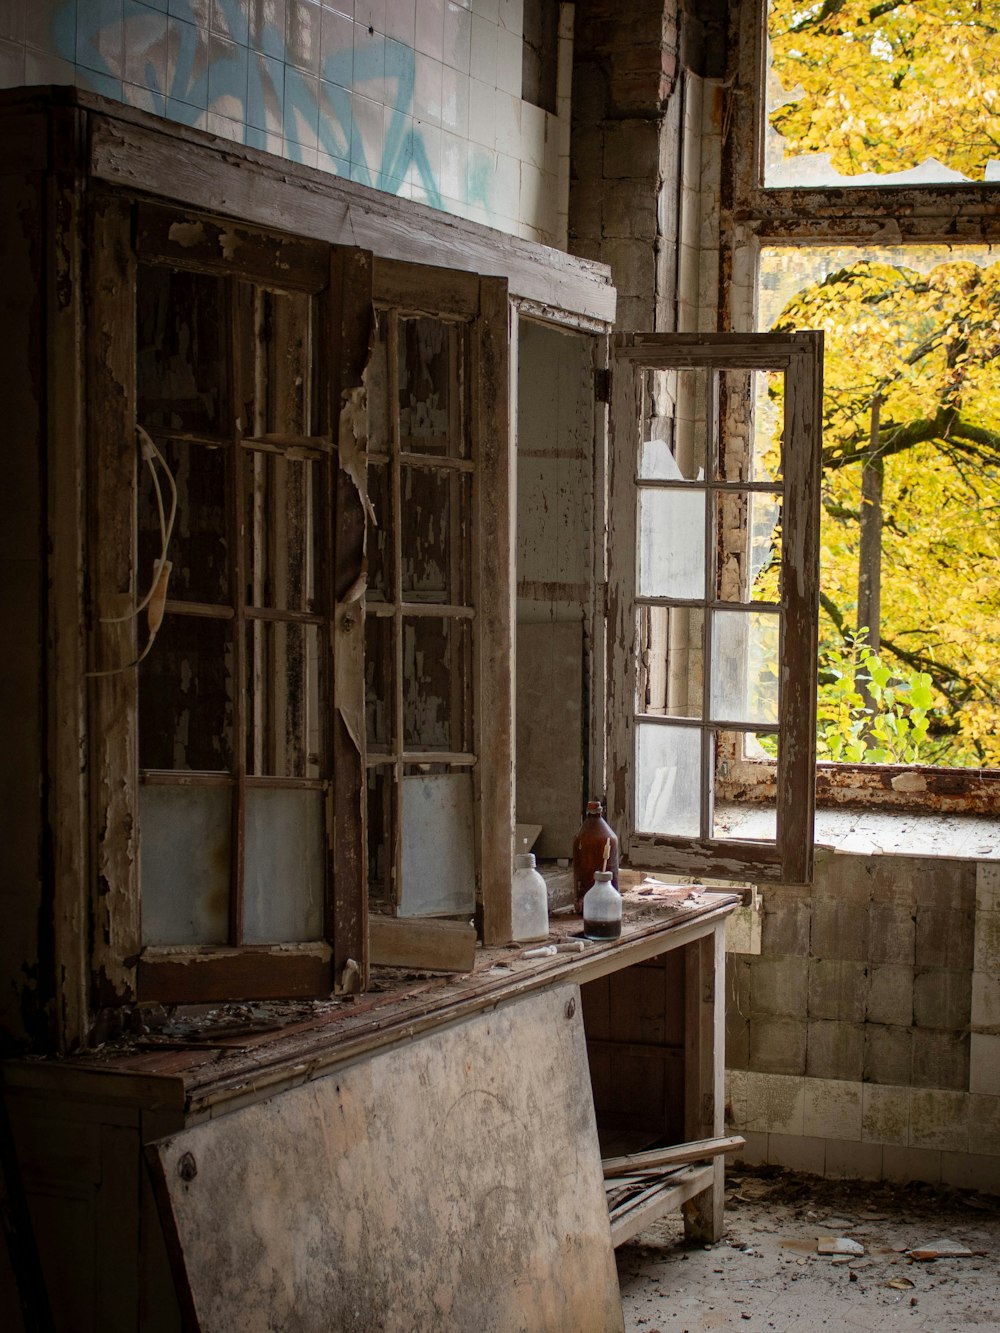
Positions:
(595, 848)
(602, 909)
(529, 904)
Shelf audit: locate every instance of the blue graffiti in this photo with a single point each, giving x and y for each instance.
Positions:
(270, 90)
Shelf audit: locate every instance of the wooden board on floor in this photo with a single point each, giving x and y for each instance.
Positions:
(453, 1183)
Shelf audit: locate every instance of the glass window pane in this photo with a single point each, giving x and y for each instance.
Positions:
(185, 837)
(672, 543)
(198, 549)
(437, 681)
(671, 661)
(668, 780)
(285, 858)
(182, 365)
(437, 830)
(733, 816)
(745, 655)
(282, 530)
(284, 738)
(676, 424)
(434, 527)
(430, 371)
(186, 692)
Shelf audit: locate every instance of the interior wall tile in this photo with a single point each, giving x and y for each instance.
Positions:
(428, 31)
(457, 42)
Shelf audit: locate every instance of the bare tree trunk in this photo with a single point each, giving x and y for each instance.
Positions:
(870, 555)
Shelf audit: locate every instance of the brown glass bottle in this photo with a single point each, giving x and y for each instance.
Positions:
(589, 851)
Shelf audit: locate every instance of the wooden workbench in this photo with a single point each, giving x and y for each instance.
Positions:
(648, 1014)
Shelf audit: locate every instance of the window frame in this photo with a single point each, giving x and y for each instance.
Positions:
(126, 231)
(788, 859)
(753, 216)
(481, 304)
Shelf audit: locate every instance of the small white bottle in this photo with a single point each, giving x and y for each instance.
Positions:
(529, 909)
(602, 909)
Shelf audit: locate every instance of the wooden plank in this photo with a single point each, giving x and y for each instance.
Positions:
(30, 987)
(417, 288)
(350, 328)
(139, 151)
(447, 946)
(677, 1155)
(704, 1074)
(111, 419)
(494, 546)
(665, 1201)
(300, 1211)
(251, 974)
(170, 235)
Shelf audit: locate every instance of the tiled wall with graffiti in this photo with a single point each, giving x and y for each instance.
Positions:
(421, 98)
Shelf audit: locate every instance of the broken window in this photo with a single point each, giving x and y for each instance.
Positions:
(715, 489)
(230, 466)
(436, 662)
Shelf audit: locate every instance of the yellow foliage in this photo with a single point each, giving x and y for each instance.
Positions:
(929, 347)
(886, 86)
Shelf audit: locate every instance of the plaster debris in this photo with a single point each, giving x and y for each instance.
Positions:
(767, 1266)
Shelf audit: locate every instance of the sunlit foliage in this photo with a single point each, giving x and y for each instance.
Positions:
(883, 86)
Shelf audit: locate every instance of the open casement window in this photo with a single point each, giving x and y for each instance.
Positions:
(715, 489)
(223, 338)
(438, 610)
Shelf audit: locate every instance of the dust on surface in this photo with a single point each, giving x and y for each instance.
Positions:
(766, 1274)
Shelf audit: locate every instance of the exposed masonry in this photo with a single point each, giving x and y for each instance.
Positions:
(863, 1021)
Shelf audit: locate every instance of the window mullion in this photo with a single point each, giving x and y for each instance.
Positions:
(238, 594)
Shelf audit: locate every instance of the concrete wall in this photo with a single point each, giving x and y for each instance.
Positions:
(863, 1021)
(421, 98)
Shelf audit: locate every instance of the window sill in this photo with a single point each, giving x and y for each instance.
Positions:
(899, 833)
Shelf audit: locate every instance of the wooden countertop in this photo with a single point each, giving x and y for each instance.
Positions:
(205, 1060)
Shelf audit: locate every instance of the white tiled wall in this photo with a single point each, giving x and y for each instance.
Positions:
(420, 98)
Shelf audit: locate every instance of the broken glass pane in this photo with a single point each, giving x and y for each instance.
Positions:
(282, 531)
(434, 529)
(186, 691)
(284, 737)
(676, 424)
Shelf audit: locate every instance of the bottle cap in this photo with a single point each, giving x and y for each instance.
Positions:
(524, 861)
(593, 807)
(605, 876)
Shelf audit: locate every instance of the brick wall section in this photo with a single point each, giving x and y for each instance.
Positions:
(624, 77)
(864, 1038)
(866, 976)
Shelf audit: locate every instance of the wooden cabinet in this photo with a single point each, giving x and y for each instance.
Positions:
(455, 1130)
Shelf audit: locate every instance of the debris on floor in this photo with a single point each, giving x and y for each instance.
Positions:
(914, 1256)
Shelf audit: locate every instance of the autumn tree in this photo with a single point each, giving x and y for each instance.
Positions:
(912, 386)
(882, 86)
